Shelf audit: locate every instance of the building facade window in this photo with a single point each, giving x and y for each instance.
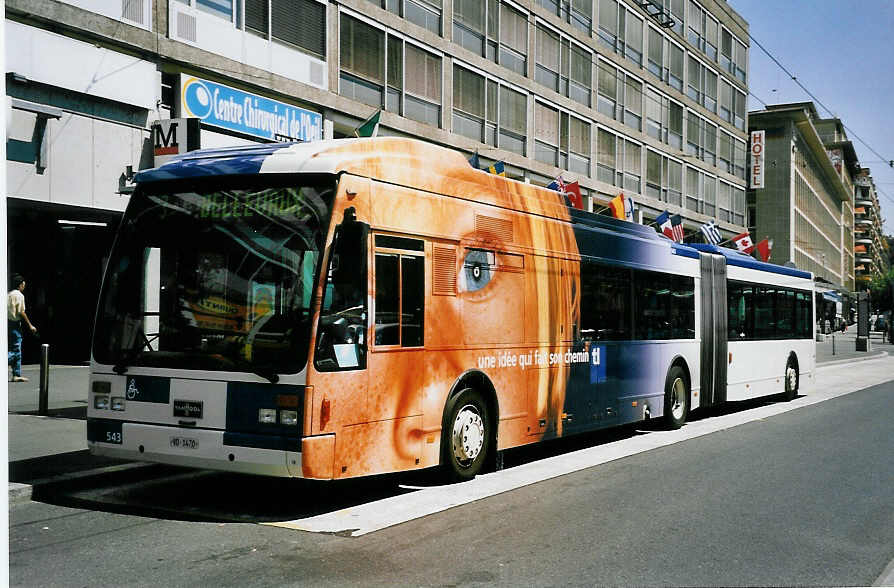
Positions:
(664, 178)
(221, 8)
(655, 58)
(488, 111)
(579, 13)
(513, 39)
(733, 54)
(512, 123)
(563, 65)
(425, 13)
(732, 105)
(546, 133)
(633, 103)
(621, 30)
(362, 61)
(701, 84)
(619, 95)
(422, 96)
(469, 24)
(701, 192)
(739, 150)
(724, 202)
(607, 89)
(298, 23)
(675, 61)
(702, 30)
(664, 118)
(577, 132)
(632, 166)
(606, 157)
(493, 30)
(561, 139)
(381, 69)
(738, 195)
(469, 104)
(618, 161)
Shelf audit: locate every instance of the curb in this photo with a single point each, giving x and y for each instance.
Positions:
(875, 355)
(20, 492)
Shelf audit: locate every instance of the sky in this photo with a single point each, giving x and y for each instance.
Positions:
(843, 52)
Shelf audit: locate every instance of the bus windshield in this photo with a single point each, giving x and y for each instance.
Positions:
(215, 274)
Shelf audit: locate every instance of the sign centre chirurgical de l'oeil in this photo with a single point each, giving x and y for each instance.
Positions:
(228, 108)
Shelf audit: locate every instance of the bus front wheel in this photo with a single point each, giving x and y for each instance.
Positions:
(465, 439)
(676, 398)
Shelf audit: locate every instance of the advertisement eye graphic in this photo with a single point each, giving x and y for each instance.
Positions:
(477, 269)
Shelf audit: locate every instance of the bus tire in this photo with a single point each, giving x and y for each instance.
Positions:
(465, 441)
(676, 398)
(792, 378)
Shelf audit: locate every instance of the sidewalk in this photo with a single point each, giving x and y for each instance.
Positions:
(844, 346)
(48, 447)
(54, 447)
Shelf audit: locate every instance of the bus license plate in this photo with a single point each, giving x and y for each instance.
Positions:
(184, 443)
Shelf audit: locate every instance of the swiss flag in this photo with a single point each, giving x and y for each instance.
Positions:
(743, 243)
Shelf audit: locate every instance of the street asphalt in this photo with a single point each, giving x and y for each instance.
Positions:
(53, 448)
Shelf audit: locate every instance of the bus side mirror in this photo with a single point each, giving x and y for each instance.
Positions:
(349, 250)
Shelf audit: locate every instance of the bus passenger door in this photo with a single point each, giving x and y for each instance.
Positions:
(713, 329)
(396, 370)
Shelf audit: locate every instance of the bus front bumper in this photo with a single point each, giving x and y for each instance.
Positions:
(205, 448)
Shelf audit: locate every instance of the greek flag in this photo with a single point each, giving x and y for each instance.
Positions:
(711, 233)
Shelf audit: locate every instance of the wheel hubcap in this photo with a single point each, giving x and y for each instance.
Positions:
(678, 399)
(468, 434)
(792, 376)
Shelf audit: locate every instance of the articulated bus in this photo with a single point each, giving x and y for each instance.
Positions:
(360, 306)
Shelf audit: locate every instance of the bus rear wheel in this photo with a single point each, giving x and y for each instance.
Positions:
(465, 438)
(791, 380)
(676, 398)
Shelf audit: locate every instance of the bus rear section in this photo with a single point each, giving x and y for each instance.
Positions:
(204, 323)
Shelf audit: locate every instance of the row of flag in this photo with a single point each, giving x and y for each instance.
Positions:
(498, 168)
(672, 228)
(621, 206)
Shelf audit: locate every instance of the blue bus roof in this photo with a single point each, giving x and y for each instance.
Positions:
(248, 159)
(738, 259)
(212, 162)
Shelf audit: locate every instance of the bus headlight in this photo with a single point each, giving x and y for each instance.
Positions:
(288, 417)
(117, 403)
(101, 401)
(267, 416)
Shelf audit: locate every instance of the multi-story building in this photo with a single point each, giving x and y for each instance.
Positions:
(806, 206)
(870, 246)
(643, 97)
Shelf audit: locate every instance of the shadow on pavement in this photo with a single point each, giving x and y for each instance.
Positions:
(71, 412)
(175, 493)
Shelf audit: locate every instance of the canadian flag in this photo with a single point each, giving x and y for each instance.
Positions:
(764, 248)
(743, 243)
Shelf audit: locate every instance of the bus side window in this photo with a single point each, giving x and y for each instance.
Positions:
(341, 337)
(400, 291)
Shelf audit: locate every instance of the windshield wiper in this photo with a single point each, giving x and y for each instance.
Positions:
(133, 353)
(265, 372)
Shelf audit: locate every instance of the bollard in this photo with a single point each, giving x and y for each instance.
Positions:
(833, 343)
(44, 379)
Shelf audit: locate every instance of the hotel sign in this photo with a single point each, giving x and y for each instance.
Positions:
(756, 169)
(228, 108)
